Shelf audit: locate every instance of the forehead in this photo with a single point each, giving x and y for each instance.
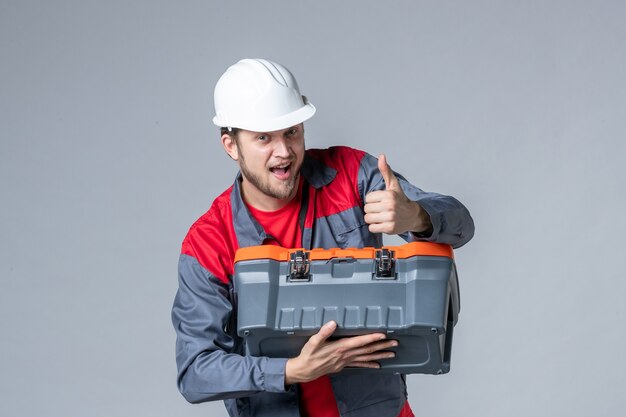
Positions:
(272, 133)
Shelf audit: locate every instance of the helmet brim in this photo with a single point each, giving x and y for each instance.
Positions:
(296, 117)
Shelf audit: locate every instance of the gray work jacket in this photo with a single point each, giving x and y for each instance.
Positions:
(210, 355)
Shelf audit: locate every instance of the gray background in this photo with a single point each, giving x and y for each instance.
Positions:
(107, 155)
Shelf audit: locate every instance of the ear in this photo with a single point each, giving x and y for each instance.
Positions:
(230, 146)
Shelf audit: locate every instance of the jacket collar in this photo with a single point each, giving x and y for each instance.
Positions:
(248, 231)
(316, 173)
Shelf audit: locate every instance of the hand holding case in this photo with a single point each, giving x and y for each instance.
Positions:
(410, 292)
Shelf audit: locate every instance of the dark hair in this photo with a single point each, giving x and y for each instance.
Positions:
(233, 132)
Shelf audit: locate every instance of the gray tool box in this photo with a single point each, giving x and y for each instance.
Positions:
(410, 292)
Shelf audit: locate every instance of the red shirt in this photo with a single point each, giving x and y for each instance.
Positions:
(281, 224)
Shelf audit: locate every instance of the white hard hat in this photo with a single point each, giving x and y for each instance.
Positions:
(259, 95)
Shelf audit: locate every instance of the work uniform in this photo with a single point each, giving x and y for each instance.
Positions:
(210, 355)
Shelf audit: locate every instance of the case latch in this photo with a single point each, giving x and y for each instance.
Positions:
(299, 266)
(385, 264)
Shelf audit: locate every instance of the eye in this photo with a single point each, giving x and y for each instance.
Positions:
(292, 131)
(262, 138)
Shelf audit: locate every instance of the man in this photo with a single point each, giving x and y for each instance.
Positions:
(286, 195)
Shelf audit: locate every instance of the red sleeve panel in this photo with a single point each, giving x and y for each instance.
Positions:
(211, 239)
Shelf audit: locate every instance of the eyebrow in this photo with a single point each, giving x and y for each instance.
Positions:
(281, 131)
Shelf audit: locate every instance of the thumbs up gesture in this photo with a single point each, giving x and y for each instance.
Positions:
(390, 211)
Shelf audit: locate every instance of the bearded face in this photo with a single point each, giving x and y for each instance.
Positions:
(270, 164)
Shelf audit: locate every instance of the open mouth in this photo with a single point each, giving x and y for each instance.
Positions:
(281, 171)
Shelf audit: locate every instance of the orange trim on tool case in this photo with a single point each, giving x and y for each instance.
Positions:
(422, 249)
(278, 253)
(324, 254)
(407, 250)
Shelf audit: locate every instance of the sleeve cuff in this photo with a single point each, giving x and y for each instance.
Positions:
(275, 374)
(434, 220)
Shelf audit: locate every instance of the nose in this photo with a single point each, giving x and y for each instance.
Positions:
(281, 148)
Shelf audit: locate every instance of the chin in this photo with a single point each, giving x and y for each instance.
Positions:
(283, 193)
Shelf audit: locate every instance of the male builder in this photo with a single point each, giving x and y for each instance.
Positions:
(292, 197)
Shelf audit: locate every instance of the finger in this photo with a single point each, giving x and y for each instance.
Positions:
(385, 227)
(377, 207)
(374, 357)
(357, 364)
(372, 207)
(375, 348)
(324, 333)
(377, 218)
(391, 182)
(355, 342)
(378, 196)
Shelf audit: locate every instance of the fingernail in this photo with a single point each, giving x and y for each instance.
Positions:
(382, 337)
(394, 343)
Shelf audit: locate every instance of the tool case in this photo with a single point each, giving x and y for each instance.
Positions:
(410, 292)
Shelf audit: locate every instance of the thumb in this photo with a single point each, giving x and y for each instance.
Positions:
(391, 182)
(324, 333)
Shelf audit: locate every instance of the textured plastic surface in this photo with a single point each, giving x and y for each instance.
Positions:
(418, 306)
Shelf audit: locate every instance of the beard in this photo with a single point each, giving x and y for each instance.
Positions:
(282, 191)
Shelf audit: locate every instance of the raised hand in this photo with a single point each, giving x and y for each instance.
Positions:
(389, 210)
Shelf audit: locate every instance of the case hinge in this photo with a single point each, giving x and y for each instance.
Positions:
(299, 266)
(385, 264)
